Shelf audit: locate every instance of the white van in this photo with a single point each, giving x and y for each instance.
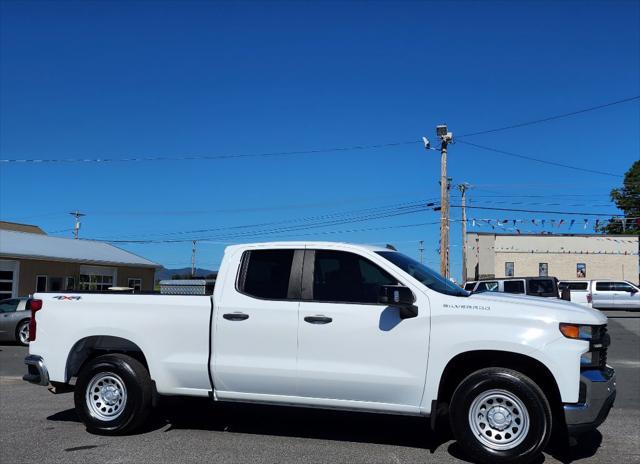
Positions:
(580, 290)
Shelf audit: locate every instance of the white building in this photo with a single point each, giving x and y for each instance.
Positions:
(565, 256)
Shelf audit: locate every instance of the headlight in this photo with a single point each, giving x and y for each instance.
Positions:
(576, 331)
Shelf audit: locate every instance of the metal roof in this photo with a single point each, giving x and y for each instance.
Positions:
(35, 246)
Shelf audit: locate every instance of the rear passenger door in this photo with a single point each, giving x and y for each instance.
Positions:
(352, 348)
(602, 295)
(256, 337)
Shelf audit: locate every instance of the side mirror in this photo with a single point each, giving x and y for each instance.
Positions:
(400, 297)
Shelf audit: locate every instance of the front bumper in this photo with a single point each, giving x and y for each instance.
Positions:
(598, 392)
(37, 371)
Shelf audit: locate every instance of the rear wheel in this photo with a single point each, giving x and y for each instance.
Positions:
(113, 394)
(500, 415)
(22, 332)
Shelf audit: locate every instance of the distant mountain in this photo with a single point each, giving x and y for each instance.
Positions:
(164, 273)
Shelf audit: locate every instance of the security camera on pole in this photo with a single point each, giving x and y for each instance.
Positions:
(445, 138)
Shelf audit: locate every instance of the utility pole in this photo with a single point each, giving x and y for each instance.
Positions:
(193, 259)
(421, 250)
(445, 138)
(76, 228)
(463, 189)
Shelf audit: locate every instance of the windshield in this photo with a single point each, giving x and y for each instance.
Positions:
(418, 271)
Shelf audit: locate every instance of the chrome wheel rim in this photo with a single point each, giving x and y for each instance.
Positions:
(499, 419)
(106, 396)
(23, 333)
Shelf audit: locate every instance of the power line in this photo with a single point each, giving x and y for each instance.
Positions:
(530, 158)
(206, 157)
(551, 118)
(539, 211)
(308, 219)
(305, 152)
(293, 228)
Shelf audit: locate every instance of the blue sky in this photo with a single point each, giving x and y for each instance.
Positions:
(123, 79)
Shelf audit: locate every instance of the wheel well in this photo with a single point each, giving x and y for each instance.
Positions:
(91, 347)
(466, 363)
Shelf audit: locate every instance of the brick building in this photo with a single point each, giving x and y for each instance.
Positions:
(565, 256)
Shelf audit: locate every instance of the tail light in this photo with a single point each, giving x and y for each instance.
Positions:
(589, 298)
(34, 306)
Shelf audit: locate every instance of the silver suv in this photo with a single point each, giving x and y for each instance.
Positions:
(614, 294)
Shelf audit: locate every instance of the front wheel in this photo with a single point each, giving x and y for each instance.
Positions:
(500, 416)
(113, 394)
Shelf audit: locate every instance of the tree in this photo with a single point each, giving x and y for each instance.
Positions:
(627, 199)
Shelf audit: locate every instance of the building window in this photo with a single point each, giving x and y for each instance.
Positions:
(543, 269)
(41, 283)
(6, 284)
(581, 270)
(70, 283)
(55, 284)
(135, 284)
(95, 282)
(96, 278)
(8, 279)
(508, 269)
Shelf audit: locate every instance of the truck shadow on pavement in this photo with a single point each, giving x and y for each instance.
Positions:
(199, 414)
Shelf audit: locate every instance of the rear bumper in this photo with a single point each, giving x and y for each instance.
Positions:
(36, 370)
(599, 388)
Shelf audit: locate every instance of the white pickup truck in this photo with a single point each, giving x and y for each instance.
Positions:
(333, 325)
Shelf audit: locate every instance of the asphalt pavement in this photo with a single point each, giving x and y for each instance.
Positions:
(36, 426)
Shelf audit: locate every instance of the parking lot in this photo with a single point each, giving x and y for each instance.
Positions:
(36, 426)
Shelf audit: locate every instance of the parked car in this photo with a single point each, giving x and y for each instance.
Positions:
(614, 294)
(337, 326)
(14, 320)
(579, 290)
(546, 287)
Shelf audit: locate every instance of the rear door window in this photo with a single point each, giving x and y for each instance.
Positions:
(487, 287)
(583, 286)
(542, 287)
(604, 286)
(469, 286)
(266, 273)
(514, 286)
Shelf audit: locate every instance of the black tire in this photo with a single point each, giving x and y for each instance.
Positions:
(135, 406)
(480, 384)
(22, 324)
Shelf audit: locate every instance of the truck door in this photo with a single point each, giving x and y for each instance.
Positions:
(602, 296)
(624, 295)
(350, 346)
(256, 329)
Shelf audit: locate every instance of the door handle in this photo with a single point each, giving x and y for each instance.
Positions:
(318, 319)
(235, 316)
